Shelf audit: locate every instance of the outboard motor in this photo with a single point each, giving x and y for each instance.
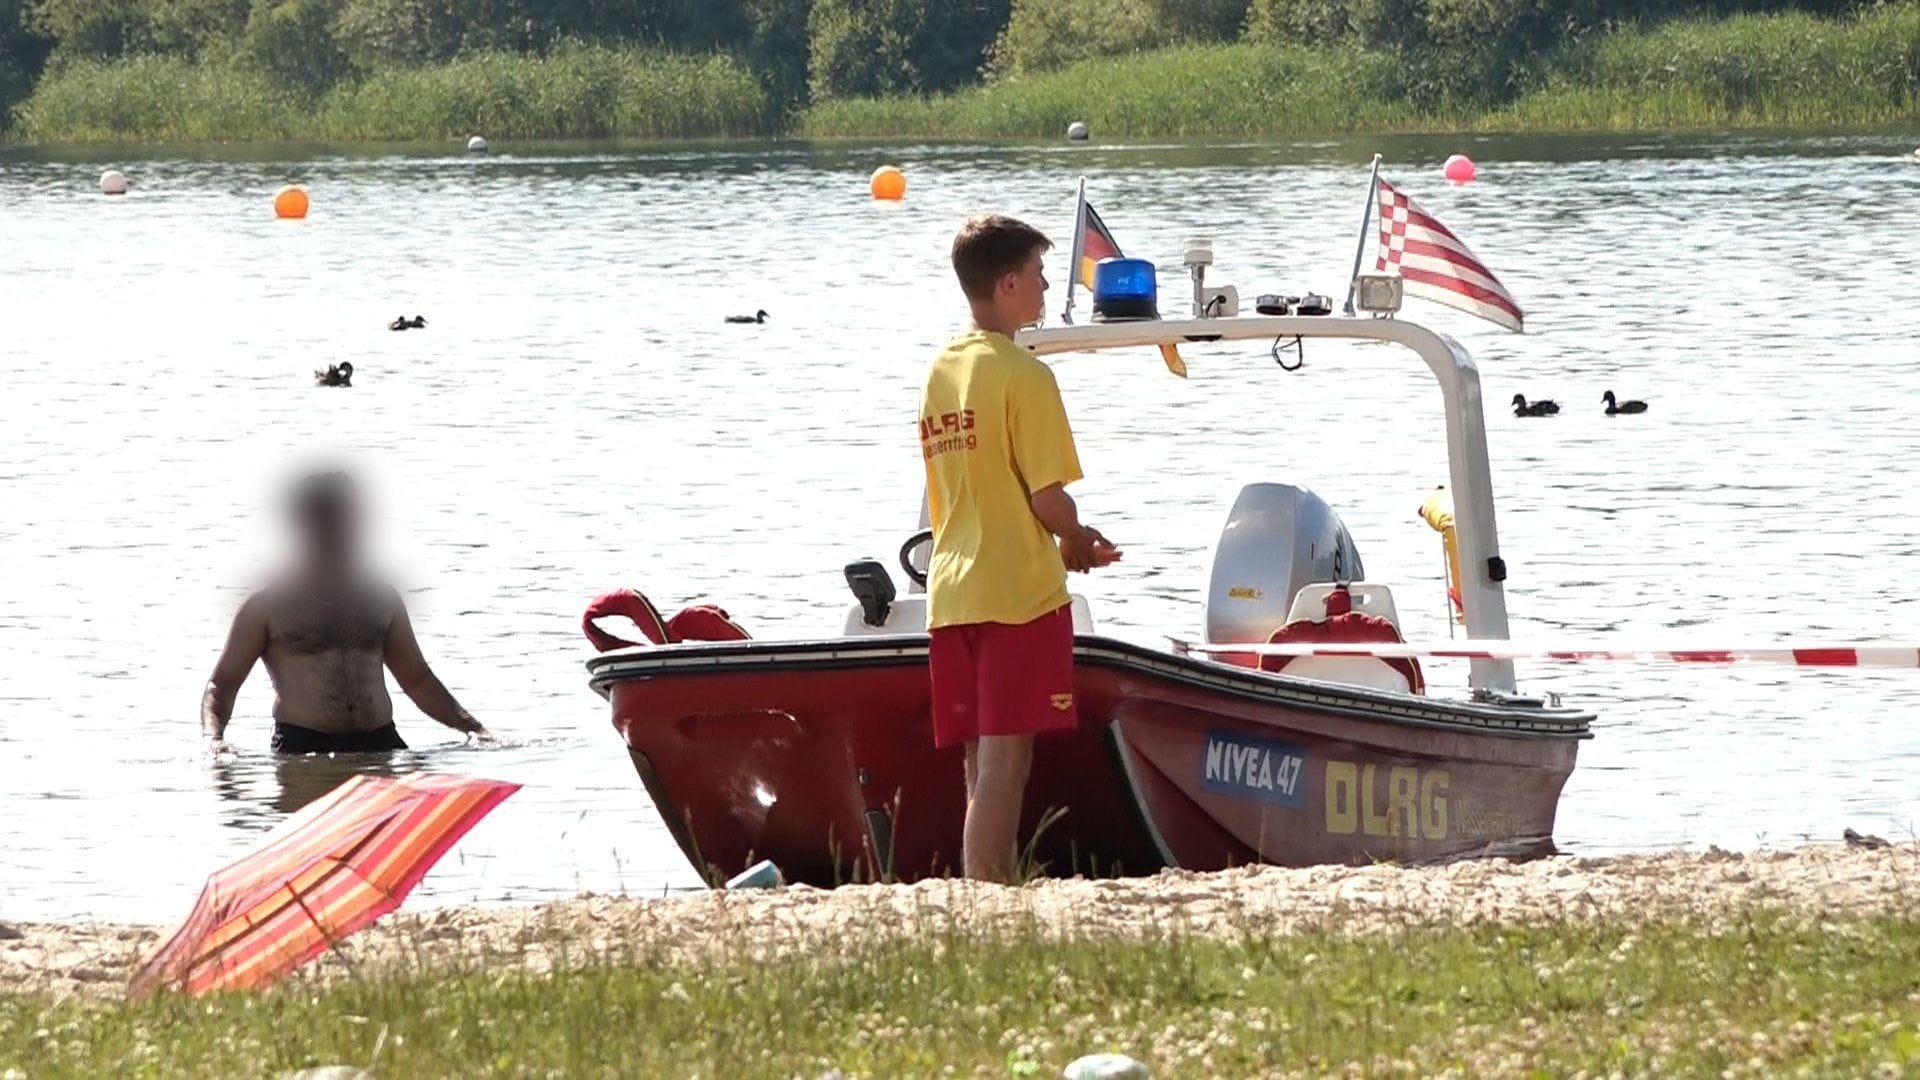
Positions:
(1278, 538)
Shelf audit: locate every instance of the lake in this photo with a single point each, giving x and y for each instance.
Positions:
(577, 416)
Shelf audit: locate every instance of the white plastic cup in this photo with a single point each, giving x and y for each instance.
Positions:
(1106, 1067)
(761, 875)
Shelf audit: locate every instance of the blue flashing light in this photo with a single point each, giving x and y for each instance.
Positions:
(1124, 289)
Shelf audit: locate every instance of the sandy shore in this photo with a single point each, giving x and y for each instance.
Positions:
(1825, 881)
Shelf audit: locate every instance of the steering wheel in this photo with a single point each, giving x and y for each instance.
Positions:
(924, 536)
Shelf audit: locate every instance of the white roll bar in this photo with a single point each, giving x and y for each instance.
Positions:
(1482, 596)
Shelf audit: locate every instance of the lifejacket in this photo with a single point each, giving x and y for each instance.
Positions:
(702, 622)
(1343, 625)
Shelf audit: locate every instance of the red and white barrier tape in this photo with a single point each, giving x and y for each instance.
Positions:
(1856, 655)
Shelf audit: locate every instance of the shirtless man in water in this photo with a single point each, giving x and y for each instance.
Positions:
(325, 630)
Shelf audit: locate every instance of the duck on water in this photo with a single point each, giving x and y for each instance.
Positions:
(1543, 407)
(340, 374)
(1616, 407)
(757, 317)
(418, 322)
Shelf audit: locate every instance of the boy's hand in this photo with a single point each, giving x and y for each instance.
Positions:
(1085, 549)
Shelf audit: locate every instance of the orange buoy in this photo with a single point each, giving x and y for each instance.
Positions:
(290, 202)
(888, 183)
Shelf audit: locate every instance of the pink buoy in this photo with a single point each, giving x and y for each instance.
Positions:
(1459, 168)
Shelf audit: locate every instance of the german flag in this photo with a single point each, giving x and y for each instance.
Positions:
(1094, 243)
(1091, 243)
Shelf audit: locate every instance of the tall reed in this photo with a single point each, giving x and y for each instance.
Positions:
(575, 91)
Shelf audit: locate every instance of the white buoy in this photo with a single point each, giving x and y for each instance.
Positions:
(113, 182)
(477, 145)
(1077, 131)
(1916, 155)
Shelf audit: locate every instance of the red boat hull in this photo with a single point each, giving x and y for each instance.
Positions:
(820, 757)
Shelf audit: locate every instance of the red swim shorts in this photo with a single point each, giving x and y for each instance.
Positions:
(998, 679)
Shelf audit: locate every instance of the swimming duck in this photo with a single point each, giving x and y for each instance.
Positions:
(418, 322)
(1615, 408)
(340, 374)
(757, 317)
(1543, 407)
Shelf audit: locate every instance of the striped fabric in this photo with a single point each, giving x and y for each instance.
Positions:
(1435, 264)
(1875, 655)
(326, 873)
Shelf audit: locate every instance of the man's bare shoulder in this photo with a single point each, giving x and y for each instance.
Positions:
(261, 602)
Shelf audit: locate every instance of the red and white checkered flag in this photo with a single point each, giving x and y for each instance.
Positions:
(1435, 264)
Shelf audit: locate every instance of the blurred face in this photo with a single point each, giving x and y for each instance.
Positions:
(327, 527)
(1024, 292)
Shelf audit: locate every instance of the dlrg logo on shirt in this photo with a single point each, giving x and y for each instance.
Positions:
(947, 432)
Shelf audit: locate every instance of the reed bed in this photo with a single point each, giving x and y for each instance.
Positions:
(576, 91)
(1754, 992)
(1201, 90)
(1782, 70)
(1787, 70)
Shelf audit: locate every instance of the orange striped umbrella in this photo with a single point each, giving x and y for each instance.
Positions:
(327, 872)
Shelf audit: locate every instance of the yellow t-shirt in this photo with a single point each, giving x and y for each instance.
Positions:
(992, 431)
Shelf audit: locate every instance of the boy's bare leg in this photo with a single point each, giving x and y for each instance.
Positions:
(997, 782)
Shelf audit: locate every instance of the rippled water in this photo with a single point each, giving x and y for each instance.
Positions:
(577, 417)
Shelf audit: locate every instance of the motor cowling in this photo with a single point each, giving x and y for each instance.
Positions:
(1278, 538)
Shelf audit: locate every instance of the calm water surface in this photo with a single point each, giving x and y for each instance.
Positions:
(578, 417)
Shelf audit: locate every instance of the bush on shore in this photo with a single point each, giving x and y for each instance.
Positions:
(1045, 35)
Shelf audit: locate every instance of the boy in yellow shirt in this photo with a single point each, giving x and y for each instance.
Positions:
(999, 455)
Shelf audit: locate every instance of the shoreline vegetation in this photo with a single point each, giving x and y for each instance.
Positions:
(1678, 963)
(332, 71)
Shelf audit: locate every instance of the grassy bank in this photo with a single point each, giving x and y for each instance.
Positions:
(1788, 70)
(580, 91)
(1780, 70)
(1750, 993)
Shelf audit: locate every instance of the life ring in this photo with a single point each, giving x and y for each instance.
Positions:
(702, 622)
(1343, 625)
(631, 605)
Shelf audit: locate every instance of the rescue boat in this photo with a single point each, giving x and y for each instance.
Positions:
(818, 754)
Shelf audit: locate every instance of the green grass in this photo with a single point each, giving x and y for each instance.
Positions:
(1785, 70)
(156, 97)
(1789, 70)
(1210, 90)
(578, 91)
(1752, 994)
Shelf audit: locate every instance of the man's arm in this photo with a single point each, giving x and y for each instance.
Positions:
(246, 641)
(1082, 547)
(417, 680)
